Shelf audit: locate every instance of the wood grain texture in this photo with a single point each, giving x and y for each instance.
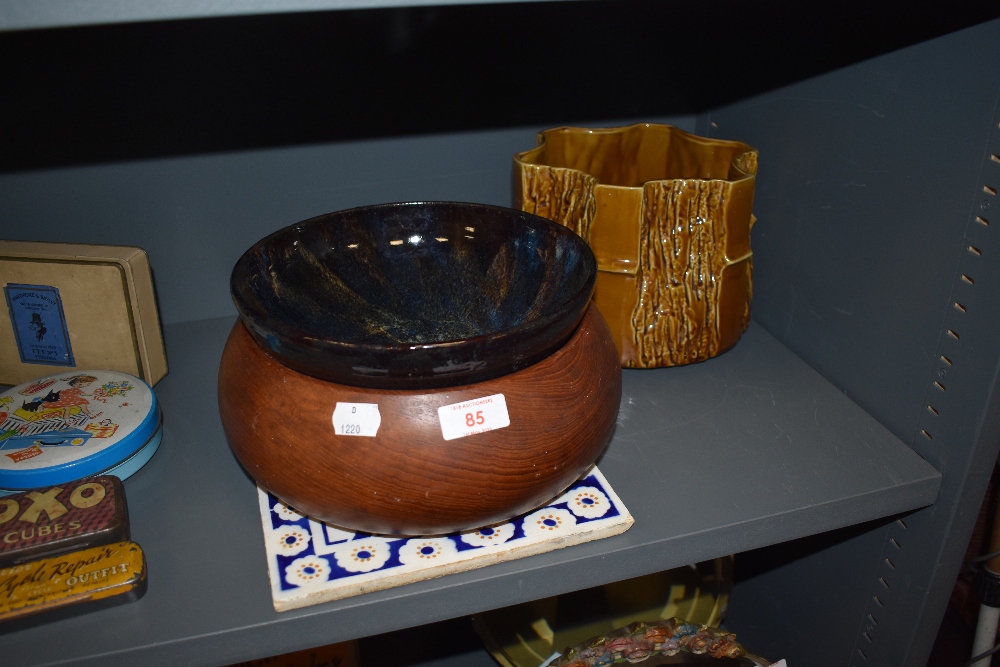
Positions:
(408, 480)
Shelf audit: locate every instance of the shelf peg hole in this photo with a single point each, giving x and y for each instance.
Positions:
(975, 251)
(959, 307)
(901, 522)
(877, 601)
(894, 542)
(862, 654)
(968, 279)
(931, 409)
(946, 360)
(867, 636)
(995, 157)
(872, 619)
(926, 434)
(890, 563)
(983, 221)
(939, 385)
(953, 334)
(990, 191)
(883, 582)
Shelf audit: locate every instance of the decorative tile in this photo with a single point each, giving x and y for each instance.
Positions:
(311, 562)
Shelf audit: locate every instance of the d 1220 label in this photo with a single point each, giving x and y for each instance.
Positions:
(356, 419)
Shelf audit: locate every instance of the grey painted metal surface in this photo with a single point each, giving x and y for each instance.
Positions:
(868, 194)
(34, 14)
(742, 451)
(196, 215)
(874, 262)
(804, 600)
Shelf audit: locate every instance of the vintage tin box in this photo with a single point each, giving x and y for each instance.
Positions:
(49, 588)
(53, 520)
(73, 305)
(65, 427)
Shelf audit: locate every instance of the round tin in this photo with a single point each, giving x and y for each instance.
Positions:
(68, 426)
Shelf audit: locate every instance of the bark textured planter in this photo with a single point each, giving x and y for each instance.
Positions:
(668, 216)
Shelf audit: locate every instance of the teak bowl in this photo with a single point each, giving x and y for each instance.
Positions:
(668, 216)
(413, 307)
(401, 296)
(408, 480)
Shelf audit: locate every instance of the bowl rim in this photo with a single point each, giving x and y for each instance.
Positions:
(332, 344)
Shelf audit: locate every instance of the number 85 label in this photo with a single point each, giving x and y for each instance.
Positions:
(479, 415)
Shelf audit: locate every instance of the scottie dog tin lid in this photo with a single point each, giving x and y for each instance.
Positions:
(72, 425)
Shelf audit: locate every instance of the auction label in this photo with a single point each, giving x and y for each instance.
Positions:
(476, 416)
(356, 419)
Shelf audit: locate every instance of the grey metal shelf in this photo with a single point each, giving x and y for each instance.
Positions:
(38, 14)
(876, 168)
(748, 449)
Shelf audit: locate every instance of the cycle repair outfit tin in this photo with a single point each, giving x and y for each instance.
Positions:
(65, 427)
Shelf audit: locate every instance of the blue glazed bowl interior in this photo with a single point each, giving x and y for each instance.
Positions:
(414, 295)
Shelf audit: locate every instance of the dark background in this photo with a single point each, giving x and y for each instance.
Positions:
(121, 92)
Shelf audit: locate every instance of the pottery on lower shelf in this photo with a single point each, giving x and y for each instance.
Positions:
(668, 642)
(496, 298)
(530, 633)
(668, 216)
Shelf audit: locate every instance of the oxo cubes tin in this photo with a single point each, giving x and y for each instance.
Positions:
(72, 425)
(67, 517)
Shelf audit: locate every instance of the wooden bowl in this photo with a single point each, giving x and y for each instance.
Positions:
(409, 480)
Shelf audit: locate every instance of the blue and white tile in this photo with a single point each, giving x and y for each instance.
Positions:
(489, 536)
(311, 562)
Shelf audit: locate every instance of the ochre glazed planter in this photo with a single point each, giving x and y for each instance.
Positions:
(407, 479)
(668, 216)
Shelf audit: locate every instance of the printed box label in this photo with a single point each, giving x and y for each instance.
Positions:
(36, 313)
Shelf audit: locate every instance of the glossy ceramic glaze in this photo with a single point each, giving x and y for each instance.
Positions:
(408, 479)
(414, 295)
(697, 594)
(668, 216)
(662, 642)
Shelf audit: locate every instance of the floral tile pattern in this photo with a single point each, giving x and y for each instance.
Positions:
(311, 562)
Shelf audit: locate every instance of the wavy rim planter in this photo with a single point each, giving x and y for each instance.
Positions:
(668, 215)
(408, 480)
(332, 296)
